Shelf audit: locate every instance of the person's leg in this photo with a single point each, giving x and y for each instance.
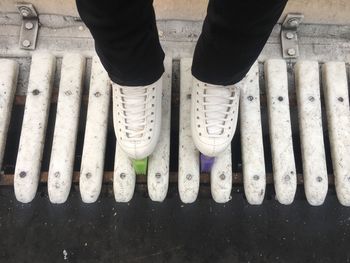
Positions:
(126, 39)
(127, 43)
(234, 33)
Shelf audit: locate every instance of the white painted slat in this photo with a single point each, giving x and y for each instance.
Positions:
(310, 130)
(338, 116)
(284, 171)
(188, 180)
(124, 178)
(158, 162)
(8, 84)
(31, 145)
(66, 128)
(253, 161)
(221, 177)
(92, 163)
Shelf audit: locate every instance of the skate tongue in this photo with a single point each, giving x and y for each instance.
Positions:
(135, 110)
(216, 110)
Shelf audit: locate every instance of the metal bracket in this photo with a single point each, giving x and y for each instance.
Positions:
(30, 26)
(289, 35)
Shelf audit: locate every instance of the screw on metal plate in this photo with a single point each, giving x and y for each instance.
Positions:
(30, 26)
(289, 35)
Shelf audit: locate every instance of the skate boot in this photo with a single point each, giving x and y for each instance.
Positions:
(137, 120)
(214, 112)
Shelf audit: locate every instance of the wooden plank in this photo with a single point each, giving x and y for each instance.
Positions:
(253, 161)
(94, 148)
(158, 161)
(66, 128)
(188, 153)
(338, 116)
(310, 130)
(32, 139)
(284, 170)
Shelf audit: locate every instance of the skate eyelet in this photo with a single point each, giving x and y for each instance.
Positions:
(197, 109)
(149, 138)
(150, 130)
(200, 134)
(153, 97)
(152, 105)
(197, 118)
(151, 121)
(198, 126)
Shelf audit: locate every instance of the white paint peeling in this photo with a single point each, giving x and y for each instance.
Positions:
(188, 179)
(284, 171)
(221, 177)
(311, 133)
(124, 178)
(158, 162)
(92, 163)
(66, 128)
(253, 161)
(31, 145)
(338, 116)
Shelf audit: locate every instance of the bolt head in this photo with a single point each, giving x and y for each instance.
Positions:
(25, 12)
(22, 174)
(293, 22)
(289, 35)
(291, 52)
(26, 43)
(29, 25)
(319, 179)
(222, 177)
(189, 177)
(250, 98)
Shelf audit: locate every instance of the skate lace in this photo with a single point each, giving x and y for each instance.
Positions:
(136, 108)
(217, 104)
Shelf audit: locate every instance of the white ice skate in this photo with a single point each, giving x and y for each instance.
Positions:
(137, 118)
(214, 115)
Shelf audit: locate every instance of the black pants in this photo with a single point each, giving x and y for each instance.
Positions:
(126, 38)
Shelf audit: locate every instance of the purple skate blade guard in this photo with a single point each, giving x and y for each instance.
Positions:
(206, 163)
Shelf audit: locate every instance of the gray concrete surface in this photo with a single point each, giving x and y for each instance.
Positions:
(316, 11)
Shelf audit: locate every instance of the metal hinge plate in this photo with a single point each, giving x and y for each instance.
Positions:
(289, 35)
(30, 26)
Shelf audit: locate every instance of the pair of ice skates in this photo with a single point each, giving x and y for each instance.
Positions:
(137, 120)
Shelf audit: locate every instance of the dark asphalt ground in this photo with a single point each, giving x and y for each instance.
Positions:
(143, 231)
